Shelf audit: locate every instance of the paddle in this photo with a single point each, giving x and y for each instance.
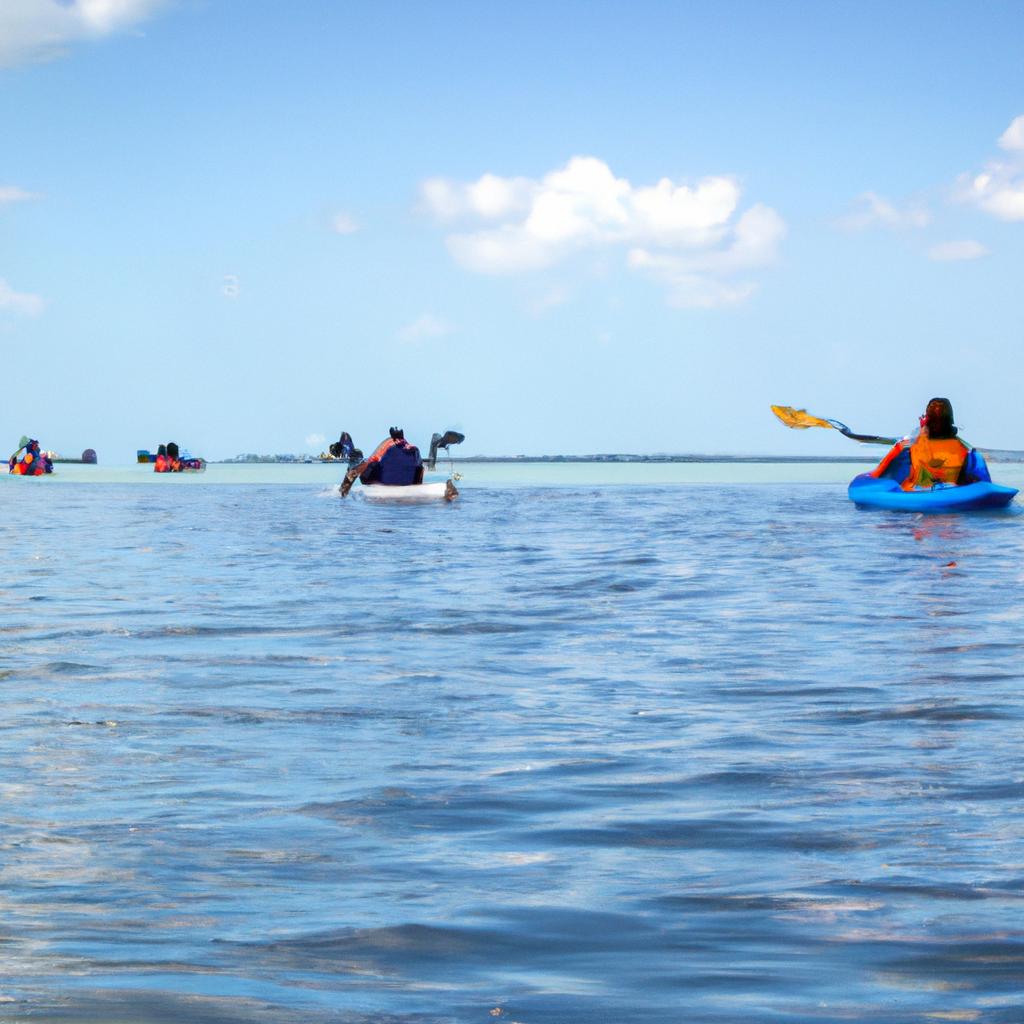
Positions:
(800, 419)
(349, 479)
(445, 440)
(22, 445)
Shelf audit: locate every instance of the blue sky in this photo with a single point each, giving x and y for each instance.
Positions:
(572, 227)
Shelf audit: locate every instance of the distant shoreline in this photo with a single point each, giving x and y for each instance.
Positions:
(996, 455)
(642, 459)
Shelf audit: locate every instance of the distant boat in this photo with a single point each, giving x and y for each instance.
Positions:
(88, 458)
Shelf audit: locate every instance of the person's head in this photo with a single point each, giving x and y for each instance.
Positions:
(397, 434)
(161, 449)
(938, 419)
(172, 450)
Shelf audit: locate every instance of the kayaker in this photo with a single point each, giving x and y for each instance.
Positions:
(935, 455)
(394, 463)
(32, 463)
(345, 448)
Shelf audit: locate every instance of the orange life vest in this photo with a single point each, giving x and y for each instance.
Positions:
(933, 462)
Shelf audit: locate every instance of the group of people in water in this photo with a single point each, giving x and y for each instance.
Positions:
(28, 460)
(168, 460)
(934, 455)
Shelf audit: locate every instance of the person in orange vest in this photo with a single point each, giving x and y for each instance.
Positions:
(935, 455)
(161, 464)
(173, 457)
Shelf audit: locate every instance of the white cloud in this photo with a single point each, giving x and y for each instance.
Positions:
(488, 198)
(701, 278)
(953, 252)
(688, 287)
(870, 210)
(13, 194)
(999, 188)
(1013, 138)
(344, 224)
(315, 440)
(32, 30)
(19, 302)
(425, 326)
(669, 230)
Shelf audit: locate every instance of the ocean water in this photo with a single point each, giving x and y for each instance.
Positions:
(591, 744)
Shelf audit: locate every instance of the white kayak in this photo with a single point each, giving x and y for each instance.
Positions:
(440, 491)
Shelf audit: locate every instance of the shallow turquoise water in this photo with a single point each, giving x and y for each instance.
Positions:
(605, 747)
(487, 475)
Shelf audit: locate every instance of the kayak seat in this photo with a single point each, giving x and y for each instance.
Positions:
(974, 470)
(899, 468)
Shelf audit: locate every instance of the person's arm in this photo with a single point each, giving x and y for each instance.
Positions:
(356, 471)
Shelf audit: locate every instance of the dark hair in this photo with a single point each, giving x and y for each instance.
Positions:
(172, 450)
(938, 419)
(161, 449)
(397, 434)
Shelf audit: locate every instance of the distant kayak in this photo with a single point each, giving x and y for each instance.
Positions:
(868, 491)
(410, 492)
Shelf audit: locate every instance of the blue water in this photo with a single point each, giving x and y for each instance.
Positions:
(670, 752)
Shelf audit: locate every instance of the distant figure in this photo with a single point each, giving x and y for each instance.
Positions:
(161, 464)
(344, 448)
(89, 456)
(173, 458)
(394, 463)
(935, 455)
(32, 463)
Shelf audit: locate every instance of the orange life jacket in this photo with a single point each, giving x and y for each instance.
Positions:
(381, 449)
(161, 465)
(933, 462)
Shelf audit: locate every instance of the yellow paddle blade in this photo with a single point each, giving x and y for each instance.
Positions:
(798, 419)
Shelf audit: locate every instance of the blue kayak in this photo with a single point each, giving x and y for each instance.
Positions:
(884, 492)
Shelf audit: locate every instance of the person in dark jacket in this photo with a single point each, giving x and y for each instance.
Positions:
(394, 463)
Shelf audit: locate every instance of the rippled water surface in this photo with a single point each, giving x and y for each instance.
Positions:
(668, 752)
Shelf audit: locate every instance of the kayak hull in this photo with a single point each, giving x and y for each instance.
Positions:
(867, 491)
(442, 491)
